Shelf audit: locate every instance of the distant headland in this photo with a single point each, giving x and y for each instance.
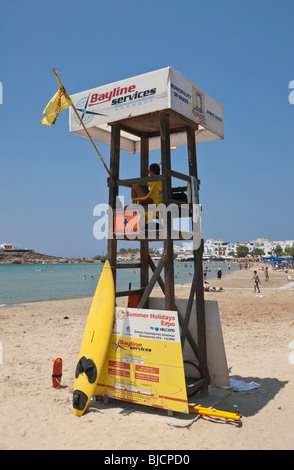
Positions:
(11, 255)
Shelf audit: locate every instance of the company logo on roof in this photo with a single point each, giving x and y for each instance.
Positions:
(85, 114)
(198, 107)
(120, 95)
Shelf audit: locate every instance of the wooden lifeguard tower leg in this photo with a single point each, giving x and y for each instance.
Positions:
(144, 245)
(113, 193)
(198, 273)
(166, 197)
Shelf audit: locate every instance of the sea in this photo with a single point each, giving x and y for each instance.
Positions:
(25, 283)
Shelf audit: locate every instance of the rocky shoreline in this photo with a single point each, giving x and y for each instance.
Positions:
(37, 258)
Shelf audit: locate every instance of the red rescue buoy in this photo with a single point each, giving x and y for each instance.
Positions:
(134, 299)
(57, 372)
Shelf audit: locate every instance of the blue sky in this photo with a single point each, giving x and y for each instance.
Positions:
(239, 52)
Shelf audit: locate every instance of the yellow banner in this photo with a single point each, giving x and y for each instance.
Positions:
(144, 363)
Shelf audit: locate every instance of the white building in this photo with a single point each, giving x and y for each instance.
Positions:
(221, 248)
(213, 247)
(6, 246)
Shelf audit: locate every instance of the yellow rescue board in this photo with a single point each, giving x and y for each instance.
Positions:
(95, 341)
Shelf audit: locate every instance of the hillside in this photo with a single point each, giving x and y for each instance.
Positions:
(7, 257)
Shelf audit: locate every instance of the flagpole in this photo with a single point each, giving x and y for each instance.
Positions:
(79, 118)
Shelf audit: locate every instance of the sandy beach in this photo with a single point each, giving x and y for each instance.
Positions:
(257, 333)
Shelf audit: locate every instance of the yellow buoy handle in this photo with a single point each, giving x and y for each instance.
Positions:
(216, 413)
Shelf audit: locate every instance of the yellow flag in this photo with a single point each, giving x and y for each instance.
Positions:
(58, 103)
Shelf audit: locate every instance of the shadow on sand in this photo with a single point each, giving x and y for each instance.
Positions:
(248, 403)
(251, 402)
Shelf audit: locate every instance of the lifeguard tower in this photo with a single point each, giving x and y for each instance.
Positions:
(157, 111)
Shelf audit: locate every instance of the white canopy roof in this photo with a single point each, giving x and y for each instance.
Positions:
(136, 104)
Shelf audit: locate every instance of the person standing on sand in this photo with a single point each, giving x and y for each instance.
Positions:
(266, 274)
(219, 273)
(256, 281)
